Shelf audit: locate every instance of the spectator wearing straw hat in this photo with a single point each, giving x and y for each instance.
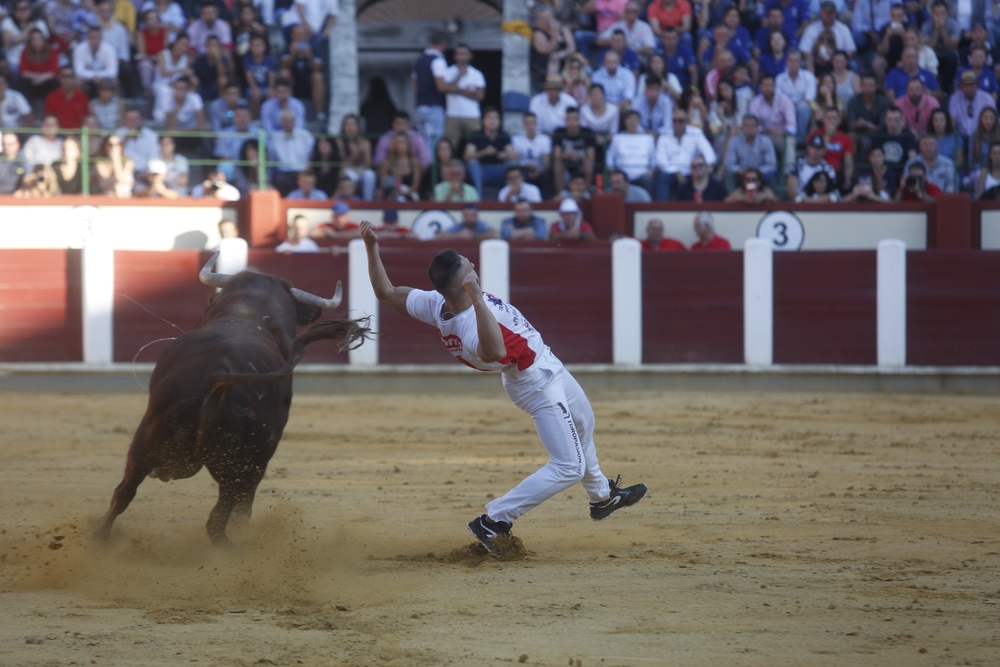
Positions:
(550, 105)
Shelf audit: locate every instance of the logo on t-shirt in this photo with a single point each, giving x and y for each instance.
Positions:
(453, 343)
(496, 301)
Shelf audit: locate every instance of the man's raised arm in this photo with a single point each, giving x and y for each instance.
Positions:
(394, 297)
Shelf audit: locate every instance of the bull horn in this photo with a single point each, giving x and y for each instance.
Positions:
(319, 302)
(210, 278)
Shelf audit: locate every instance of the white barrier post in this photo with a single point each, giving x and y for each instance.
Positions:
(626, 301)
(98, 282)
(891, 303)
(232, 256)
(758, 302)
(362, 302)
(494, 268)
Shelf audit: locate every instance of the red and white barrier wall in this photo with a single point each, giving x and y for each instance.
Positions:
(596, 303)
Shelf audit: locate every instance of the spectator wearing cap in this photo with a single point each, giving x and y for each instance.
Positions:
(534, 153)
(750, 150)
(390, 228)
(291, 150)
(454, 188)
(524, 225)
(827, 21)
(653, 105)
(307, 188)
(297, 238)
(517, 190)
(675, 149)
(805, 167)
(967, 103)
(799, 86)
(704, 228)
(638, 34)
(340, 225)
(429, 72)
(68, 103)
(617, 82)
(550, 105)
(471, 227)
(655, 241)
(282, 101)
(630, 193)
(465, 88)
(700, 187)
(401, 124)
(916, 105)
(839, 146)
(488, 151)
(156, 182)
(898, 78)
(940, 170)
(571, 226)
(633, 152)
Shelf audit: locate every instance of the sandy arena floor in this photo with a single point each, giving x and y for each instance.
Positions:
(780, 529)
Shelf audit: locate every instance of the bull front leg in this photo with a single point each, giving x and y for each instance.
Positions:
(123, 495)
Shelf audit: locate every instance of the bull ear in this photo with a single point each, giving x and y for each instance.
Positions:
(306, 314)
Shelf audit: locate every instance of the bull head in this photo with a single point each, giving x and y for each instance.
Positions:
(213, 279)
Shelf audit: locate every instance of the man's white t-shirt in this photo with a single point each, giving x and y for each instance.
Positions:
(530, 151)
(529, 363)
(187, 117)
(13, 107)
(316, 12)
(460, 106)
(529, 192)
(304, 245)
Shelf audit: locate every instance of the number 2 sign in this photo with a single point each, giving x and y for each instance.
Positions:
(783, 229)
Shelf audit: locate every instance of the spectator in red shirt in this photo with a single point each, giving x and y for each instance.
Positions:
(655, 241)
(68, 103)
(391, 229)
(916, 187)
(39, 67)
(839, 147)
(704, 227)
(674, 14)
(572, 227)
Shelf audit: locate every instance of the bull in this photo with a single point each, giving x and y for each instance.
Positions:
(219, 396)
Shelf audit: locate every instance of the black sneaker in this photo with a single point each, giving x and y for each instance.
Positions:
(485, 530)
(620, 497)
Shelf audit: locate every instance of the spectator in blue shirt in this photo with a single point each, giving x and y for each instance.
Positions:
(307, 188)
(471, 226)
(259, 69)
(723, 38)
(270, 111)
(618, 83)
(772, 61)
(524, 225)
(628, 57)
(796, 13)
(653, 106)
(985, 77)
(680, 58)
(775, 23)
(896, 79)
(740, 39)
(916, 13)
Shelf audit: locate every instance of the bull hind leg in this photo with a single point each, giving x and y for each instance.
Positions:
(236, 494)
(123, 495)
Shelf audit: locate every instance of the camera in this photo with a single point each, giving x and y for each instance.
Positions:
(216, 186)
(913, 182)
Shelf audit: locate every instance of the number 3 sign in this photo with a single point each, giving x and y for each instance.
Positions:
(783, 229)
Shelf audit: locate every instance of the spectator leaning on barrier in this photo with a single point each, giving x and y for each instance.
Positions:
(215, 186)
(550, 105)
(15, 111)
(524, 225)
(297, 238)
(940, 170)
(517, 190)
(454, 188)
(154, 183)
(471, 227)
(307, 188)
(967, 103)
(465, 88)
(704, 227)
(574, 149)
(655, 241)
(12, 167)
(877, 183)
(630, 193)
(751, 189)
(633, 152)
(571, 226)
(674, 152)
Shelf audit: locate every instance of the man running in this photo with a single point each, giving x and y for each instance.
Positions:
(487, 334)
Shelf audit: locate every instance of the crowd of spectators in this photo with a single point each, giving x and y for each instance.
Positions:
(801, 100)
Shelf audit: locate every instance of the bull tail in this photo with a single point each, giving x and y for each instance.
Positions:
(350, 333)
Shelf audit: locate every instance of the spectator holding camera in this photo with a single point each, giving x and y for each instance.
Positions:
(916, 187)
(938, 170)
(215, 186)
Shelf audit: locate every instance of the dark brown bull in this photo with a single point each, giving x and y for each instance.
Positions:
(219, 395)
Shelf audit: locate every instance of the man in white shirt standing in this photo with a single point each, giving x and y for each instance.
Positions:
(675, 150)
(633, 152)
(549, 106)
(94, 60)
(638, 34)
(534, 152)
(465, 87)
(798, 85)
(429, 71)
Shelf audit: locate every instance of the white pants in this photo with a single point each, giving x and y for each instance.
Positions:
(565, 424)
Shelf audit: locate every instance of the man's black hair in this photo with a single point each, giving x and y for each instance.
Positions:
(443, 268)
